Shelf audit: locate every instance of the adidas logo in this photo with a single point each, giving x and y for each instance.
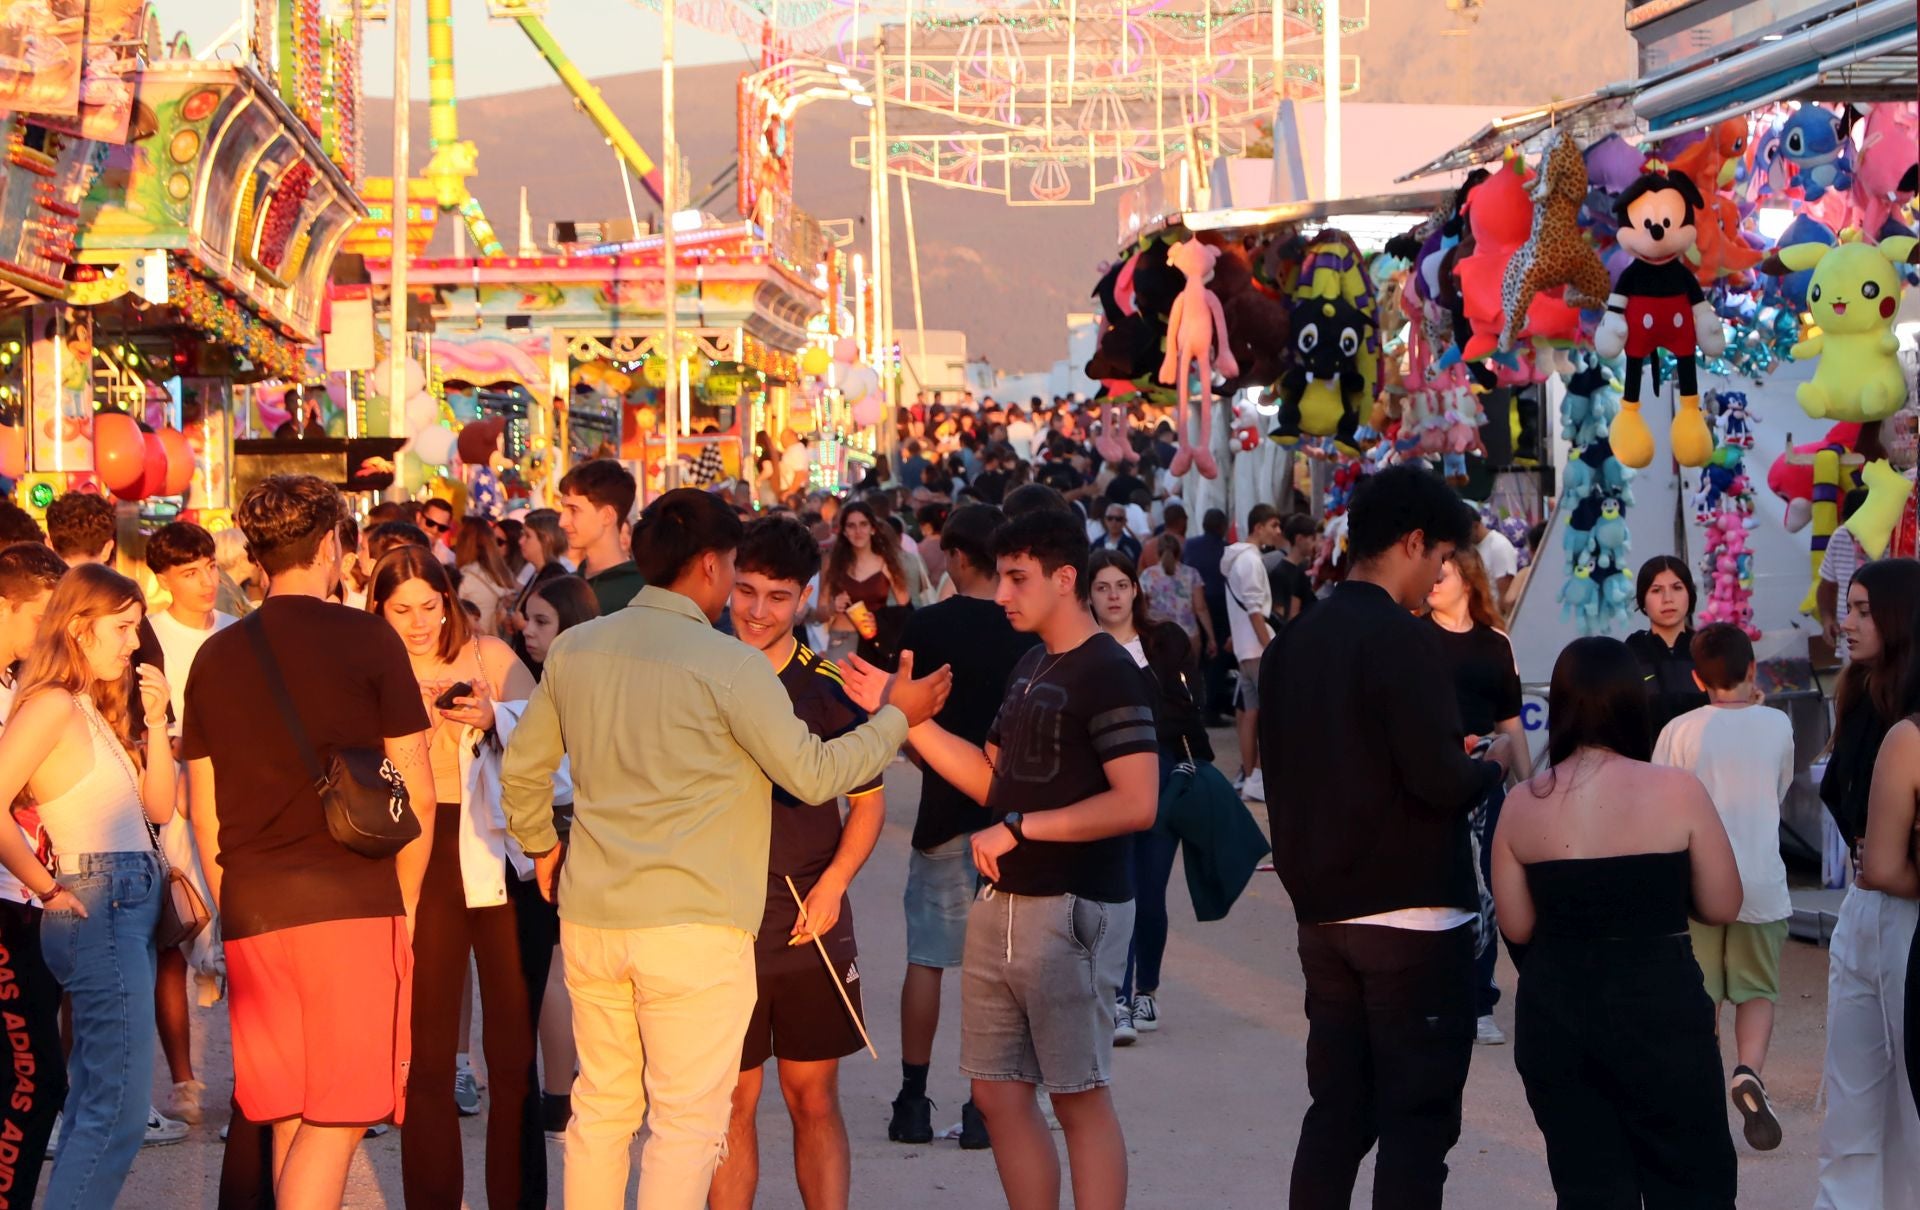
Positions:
(853, 973)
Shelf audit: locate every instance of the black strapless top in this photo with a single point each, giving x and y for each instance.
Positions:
(1611, 898)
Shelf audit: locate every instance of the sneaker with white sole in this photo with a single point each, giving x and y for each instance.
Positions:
(1124, 1034)
(185, 1103)
(1254, 789)
(1749, 1095)
(1487, 1032)
(466, 1092)
(1146, 1013)
(162, 1130)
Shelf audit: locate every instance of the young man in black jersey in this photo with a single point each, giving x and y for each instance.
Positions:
(1068, 774)
(799, 1017)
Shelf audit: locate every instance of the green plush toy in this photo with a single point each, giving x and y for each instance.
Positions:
(1854, 295)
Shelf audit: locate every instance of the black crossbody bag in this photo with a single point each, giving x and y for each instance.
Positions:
(363, 795)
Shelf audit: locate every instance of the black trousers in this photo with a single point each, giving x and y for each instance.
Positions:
(34, 1085)
(445, 932)
(1389, 1037)
(1614, 1041)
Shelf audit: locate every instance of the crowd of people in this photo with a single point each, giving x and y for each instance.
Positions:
(648, 912)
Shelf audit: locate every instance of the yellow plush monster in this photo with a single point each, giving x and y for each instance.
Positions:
(1854, 295)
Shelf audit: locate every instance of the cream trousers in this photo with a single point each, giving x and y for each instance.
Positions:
(658, 1015)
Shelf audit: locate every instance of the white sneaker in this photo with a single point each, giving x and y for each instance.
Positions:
(1487, 1032)
(1146, 1013)
(162, 1130)
(1254, 789)
(1124, 1034)
(185, 1104)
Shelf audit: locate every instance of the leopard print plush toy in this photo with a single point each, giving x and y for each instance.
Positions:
(1557, 253)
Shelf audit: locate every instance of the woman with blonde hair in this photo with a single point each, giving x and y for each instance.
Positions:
(67, 747)
(1486, 683)
(476, 900)
(485, 581)
(235, 570)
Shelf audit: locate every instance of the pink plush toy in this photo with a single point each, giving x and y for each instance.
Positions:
(1112, 441)
(1885, 177)
(1196, 341)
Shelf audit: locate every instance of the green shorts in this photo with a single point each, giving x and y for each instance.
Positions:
(1740, 962)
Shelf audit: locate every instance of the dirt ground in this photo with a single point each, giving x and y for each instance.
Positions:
(1211, 1103)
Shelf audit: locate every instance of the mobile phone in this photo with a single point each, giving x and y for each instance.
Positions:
(455, 692)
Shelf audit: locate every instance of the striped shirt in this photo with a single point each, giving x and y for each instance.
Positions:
(1837, 565)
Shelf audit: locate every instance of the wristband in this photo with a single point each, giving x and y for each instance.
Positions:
(50, 892)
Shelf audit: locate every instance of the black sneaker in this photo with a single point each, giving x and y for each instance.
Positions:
(973, 1129)
(912, 1120)
(556, 1110)
(1750, 1098)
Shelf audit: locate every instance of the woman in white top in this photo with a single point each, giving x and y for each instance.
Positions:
(484, 578)
(66, 747)
(471, 900)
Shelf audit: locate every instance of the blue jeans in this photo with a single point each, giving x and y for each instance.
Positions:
(1153, 853)
(106, 963)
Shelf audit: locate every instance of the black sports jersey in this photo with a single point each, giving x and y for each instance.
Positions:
(806, 835)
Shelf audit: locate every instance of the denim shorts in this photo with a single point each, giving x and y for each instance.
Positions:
(1038, 986)
(941, 884)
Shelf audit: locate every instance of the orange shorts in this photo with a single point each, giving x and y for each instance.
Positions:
(321, 1016)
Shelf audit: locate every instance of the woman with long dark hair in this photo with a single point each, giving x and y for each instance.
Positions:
(1165, 654)
(1870, 1133)
(553, 607)
(1597, 864)
(1486, 684)
(68, 748)
(1664, 592)
(471, 903)
(863, 568)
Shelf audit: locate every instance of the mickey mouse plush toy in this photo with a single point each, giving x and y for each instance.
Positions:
(1658, 304)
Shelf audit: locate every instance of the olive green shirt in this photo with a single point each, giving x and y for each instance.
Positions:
(673, 731)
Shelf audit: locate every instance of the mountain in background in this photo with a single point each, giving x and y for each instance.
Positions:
(1006, 277)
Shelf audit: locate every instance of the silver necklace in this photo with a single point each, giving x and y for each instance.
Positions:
(1038, 676)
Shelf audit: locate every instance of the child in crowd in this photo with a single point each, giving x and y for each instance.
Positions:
(1743, 754)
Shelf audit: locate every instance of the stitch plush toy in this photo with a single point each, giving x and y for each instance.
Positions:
(1658, 304)
(1556, 253)
(1814, 140)
(1196, 343)
(1854, 295)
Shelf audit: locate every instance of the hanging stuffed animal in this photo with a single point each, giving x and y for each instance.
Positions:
(1556, 253)
(1888, 175)
(1196, 343)
(1814, 141)
(1854, 295)
(1323, 392)
(1659, 304)
(1711, 164)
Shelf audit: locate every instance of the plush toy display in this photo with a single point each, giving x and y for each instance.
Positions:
(1854, 295)
(1323, 393)
(1499, 214)
(1196, 344)
(1658, 304)
(1556, 253)
(1888, 175)
(1711, 165)
(1814, 141)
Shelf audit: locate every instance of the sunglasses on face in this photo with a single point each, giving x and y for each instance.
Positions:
(438, 527)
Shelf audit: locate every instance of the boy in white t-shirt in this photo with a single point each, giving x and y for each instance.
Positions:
(181, 557)
(1743, 753)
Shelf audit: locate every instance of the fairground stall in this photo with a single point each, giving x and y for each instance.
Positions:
(566, 351)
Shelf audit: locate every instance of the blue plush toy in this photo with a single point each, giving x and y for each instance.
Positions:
(1815, 142)
(1610, 535)
(1581, 596)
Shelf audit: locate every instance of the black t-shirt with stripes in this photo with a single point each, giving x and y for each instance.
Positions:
(1064, 716)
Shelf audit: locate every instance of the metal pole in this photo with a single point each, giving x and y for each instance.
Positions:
(1330, 82)
(889, 432)
(669, 252)
(397, 292)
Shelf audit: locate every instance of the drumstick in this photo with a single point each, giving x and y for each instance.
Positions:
(838, 986)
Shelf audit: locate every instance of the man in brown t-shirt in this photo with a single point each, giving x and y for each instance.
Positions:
(318, 939)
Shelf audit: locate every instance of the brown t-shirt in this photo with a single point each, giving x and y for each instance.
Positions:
(348, 675)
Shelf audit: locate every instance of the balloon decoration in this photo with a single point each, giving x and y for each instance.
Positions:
(13, 451)
(846, 351)
(119, 454)
(153, 479)
(433, 445)
(179, 455)
(815, 362)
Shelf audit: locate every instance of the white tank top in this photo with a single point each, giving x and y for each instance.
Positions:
(101, 813)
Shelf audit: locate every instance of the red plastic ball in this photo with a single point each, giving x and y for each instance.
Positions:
(119, 455)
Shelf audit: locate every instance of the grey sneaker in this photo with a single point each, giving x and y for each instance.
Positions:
(466, 1092)
(1486, 1032)
(1124, 1034)
(162, 1130)
(1146, 1013)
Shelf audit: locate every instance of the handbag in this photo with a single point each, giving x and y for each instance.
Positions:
(364, 797)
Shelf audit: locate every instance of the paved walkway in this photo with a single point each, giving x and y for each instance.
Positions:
(1211, 1103)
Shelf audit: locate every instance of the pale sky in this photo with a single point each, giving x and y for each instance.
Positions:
(603, 37)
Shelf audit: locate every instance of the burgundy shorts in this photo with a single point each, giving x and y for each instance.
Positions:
(321, 1021)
